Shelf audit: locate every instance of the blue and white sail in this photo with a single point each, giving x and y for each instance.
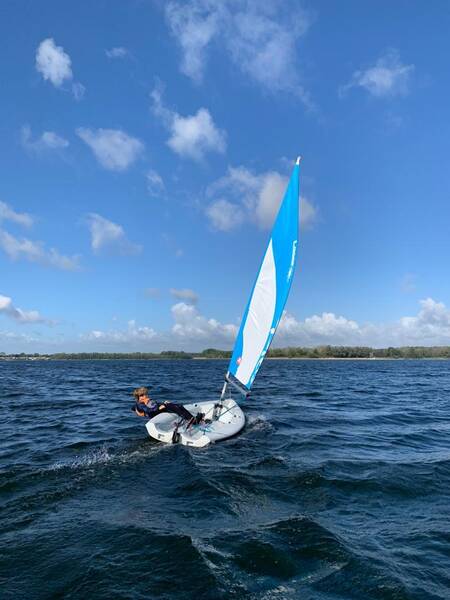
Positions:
(271, 289)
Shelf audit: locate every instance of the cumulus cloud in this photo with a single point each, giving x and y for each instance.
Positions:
(35, 251)
(131, 335)
(194, 327)
(260, 39)
(155, 183)
(192, 136)
(387, 78)
(55, 65)
(195, 135)
(192, 331)
(49, 140)
(251, 197)
(114, 149)
(8, 214)
(326, 328)
(106, 235)
(8, 309)
(308, 213)
(117, 52)
(224, 215)
(431, 326)
(189, 296)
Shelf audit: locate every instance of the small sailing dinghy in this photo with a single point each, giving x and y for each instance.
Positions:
(225, 418)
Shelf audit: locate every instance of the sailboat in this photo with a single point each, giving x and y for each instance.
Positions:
(225, 418)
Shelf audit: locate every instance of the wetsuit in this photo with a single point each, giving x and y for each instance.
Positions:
(152, 409)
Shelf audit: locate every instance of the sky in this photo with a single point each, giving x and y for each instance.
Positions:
(145, 147)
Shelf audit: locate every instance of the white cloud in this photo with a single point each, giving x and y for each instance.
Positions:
(55, 66)
(53, 63)
(114, 149)
(117, 52)
(27, 249)
(387, 78)
(224, 215)
(195, 135)
(270, 196)
(194, 327)
(431, 326)
(155, 183)
(34, 251)
(191, 136)
(326, 328)
(8, 214)
(259, 38)
(110, 236)
(21, 316)
(78, 90)
(308, 213)
(185, 294)
(49, 140)
(193, 25)
(16, 342)
(262, 42)
(192, 331)
(253, 197)
(131, 335)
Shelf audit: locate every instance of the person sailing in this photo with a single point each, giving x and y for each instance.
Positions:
(144, 406)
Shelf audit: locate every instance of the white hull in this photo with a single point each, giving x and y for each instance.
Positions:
(230, 421)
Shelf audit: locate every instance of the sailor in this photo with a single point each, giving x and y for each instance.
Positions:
(146, 407)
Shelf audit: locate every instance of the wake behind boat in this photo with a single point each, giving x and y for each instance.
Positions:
(262, 315)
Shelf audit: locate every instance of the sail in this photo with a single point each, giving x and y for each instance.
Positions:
(271, 289)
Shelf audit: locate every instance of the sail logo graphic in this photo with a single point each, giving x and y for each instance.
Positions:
(291, 267)
(239, 360)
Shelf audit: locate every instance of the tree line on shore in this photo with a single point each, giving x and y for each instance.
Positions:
(290, 352)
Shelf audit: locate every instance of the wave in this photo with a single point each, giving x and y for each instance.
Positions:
(298, 556)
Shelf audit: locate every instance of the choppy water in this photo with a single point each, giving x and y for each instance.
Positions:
(339, 487)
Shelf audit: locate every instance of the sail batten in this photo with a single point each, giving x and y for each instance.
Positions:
(270, 291)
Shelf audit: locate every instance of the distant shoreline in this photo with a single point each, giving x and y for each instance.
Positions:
(201, 358)
(334, 358)
(290, 353)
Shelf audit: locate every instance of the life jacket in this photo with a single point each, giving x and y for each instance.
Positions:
(149, 410)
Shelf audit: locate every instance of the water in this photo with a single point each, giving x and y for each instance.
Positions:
(338, 488)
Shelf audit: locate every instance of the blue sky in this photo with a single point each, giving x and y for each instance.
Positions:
(145, 147)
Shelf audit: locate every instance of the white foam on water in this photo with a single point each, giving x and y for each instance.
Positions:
(102, 456)
(280, 593)
(92, 458)
(258, 423)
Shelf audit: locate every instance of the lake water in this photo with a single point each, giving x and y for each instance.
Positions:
(338, 487)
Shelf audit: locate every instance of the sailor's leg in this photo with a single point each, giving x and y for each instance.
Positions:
(179, 410)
